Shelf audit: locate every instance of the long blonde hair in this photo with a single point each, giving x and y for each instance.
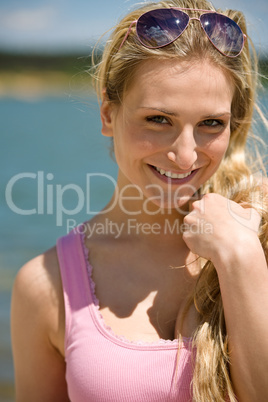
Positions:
(114, 74)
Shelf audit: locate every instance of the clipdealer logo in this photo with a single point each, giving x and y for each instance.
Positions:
(50, 196)
(133, 227)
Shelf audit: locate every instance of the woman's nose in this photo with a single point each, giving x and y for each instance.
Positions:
(183, 151)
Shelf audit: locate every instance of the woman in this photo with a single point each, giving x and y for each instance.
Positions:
(175, 305)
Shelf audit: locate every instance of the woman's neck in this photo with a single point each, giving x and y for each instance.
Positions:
(129, 217)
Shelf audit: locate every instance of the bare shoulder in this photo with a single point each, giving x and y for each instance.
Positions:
(38, 289)
(38, 282)
(41, 270)
(37, 330)
(40, 273)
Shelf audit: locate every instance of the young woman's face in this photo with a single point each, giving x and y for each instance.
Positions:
(172, 129)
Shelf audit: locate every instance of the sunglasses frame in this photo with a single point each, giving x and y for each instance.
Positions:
(204, 12)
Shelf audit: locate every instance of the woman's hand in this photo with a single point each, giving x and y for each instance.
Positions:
(217, 225)
(226, 233)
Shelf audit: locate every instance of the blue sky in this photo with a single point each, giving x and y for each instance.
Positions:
(67, 25)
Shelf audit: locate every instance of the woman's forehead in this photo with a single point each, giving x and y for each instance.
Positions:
(173, 81)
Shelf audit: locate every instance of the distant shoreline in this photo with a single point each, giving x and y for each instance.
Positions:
(31, 82)
(32, 85)
(34, 76)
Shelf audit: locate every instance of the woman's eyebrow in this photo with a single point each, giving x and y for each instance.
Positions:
(170, 113)
(159, 110)
(217, 115)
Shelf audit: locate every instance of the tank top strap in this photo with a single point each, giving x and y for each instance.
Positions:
(74, 273)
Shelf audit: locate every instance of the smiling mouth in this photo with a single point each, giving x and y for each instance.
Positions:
(172, 175)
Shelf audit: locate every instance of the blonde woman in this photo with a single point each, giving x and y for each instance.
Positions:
(174, 306)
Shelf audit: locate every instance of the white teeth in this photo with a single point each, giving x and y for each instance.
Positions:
(172, 175)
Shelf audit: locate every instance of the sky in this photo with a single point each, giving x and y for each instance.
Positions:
(65, 25)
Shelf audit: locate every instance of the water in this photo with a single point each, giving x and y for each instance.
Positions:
(52, 142)
(59, 138)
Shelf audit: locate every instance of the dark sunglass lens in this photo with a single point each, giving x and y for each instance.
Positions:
(224, 33)
(160, 27)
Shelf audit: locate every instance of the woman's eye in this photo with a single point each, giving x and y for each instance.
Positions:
(212, 123)
(157, 119)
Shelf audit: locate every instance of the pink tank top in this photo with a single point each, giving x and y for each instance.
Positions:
(103, 367)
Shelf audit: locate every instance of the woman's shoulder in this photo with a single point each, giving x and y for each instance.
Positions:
(37, 291)
(39, 276)
(37, 330)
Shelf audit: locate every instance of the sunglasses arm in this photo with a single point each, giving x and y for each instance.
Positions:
(126, 35)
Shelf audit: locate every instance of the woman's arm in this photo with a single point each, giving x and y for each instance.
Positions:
(37, 329)
(235, 250)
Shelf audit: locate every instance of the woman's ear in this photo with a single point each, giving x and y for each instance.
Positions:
(107, 113)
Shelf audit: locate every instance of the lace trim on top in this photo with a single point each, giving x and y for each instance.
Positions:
(121, 338)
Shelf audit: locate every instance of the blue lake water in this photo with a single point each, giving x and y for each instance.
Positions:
(50, 150)
(48, 147)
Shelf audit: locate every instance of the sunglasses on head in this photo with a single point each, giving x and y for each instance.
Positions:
(160, 27)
